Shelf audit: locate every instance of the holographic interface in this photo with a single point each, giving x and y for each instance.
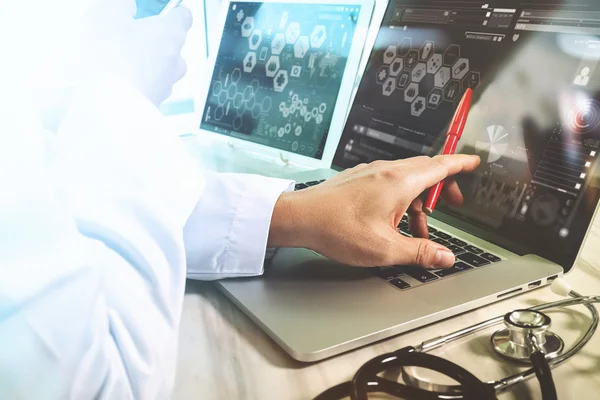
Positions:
(278, 73)
(535, 119)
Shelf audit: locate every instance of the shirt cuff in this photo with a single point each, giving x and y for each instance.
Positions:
(227, 234)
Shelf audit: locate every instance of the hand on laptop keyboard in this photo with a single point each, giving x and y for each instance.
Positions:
(353, 217)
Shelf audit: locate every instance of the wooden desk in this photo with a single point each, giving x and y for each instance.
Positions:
(223, 355)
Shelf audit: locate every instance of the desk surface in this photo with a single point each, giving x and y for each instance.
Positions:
(223, 355)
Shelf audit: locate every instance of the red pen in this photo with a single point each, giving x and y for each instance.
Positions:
(455, 131)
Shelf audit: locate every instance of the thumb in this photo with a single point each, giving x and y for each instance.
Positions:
(422, 252)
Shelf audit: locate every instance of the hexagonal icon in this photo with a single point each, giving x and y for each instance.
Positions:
(419, 72)
(249, 62)
(301, 46)
(389, 55)
(298, 130)
(286, 113)
(296, 71)
(294, 146)
(404, 46)
(315, 112)
(318, 35)
(303, 111)
(426, 50)
(442, 77)
(236, 75)
(452, 91)
(396, 66)
(322, 107)
(460, 68)
(272, 66)
(472, 80)
(265, 106)
(217, 87)
(219, 113)
(389, 86)
(280, 80)
(277, 43)
(411, 92)
(434, 64)
(222, 97)
(238, 99)
(307, 116)
(248, 93)
(293, 108)
(288, 128)
(256, 111)
(319, 119)
(418, 106)
(435, 98)
(282, 106)
(280, 132)
(292, 32)
(403, 80)
(382, 74)
(232, 91)
(255, 39)
(452, 54)
(255, 85)
(411, 59)
(237, 122)
(247, 26)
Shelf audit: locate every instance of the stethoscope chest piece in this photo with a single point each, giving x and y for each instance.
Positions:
(512, 341)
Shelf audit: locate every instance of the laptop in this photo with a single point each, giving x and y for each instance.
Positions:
(280, 83)
(535, 122)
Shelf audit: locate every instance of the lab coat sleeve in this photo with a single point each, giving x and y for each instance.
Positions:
(226, 235)
(92, 259)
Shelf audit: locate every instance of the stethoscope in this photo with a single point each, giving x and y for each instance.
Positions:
(525, 338)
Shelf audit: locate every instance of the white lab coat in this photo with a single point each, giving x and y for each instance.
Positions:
(94, 238)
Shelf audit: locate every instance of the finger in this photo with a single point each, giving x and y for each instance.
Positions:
(452, 194)
(417, 220)
(429, 171)
(421, 252)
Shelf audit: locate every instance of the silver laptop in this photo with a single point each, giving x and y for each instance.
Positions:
(535, 122)
(280, 83)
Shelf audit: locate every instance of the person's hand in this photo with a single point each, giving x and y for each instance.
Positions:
(145, 52)
(353, 217)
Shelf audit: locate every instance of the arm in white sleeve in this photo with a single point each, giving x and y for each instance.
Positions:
(92, 260)
(226, 235)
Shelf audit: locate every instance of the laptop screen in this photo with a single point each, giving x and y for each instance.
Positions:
(278, 72)
(535, 119)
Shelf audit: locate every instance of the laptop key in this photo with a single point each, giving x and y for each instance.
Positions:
(457, 242)
(404, 229)
(399, 283)
(473, 260)
(473, 249)
(455, 249)
(443, 235)
(312, 183)
(490, 257)
(404, 218)
(421, 275)
(431, 229)
(300, 186)
(441, 241)
(457, 267)
(389, 272)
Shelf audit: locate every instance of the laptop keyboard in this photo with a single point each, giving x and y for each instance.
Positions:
(468, 257)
